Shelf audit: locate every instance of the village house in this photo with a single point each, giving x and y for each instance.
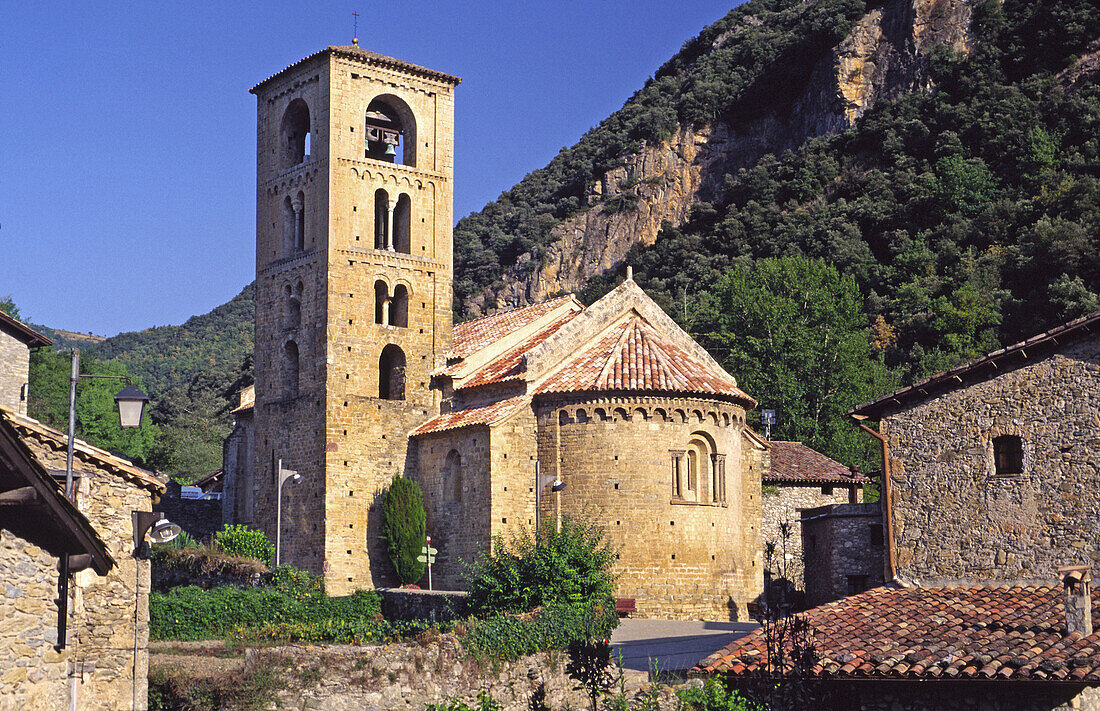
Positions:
(16, 341)
(100, 661)
(990, 496)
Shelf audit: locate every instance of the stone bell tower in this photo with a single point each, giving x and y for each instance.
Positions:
(354, 170)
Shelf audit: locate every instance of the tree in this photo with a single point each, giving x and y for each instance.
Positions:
(8, 306)
(792, 331)
(403, 531)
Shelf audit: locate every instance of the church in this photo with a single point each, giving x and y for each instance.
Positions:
(610, 411)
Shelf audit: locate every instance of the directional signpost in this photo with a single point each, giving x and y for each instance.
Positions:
(427, 555)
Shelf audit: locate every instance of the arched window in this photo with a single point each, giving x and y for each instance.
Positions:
(293, 311)
(295, 130)
(700, 465)
(402, 225)
(290, 223)
(399, 307)
(452, 477)
(300, 222)
(391, 131)
(290, 370)
(381, 305)
(391, 373)
(381, 219)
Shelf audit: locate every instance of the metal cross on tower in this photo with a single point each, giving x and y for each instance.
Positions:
(355, 34)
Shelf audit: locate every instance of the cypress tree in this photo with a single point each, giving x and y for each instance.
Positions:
(403, 528)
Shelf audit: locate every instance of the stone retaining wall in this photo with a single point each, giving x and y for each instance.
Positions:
(406, 604)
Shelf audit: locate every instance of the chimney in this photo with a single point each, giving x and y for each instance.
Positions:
(1077, 580)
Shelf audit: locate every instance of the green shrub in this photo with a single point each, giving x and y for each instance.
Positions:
(403, 528)
(555, 626)
(293, 598)
(571, 565)
(485, 702)
(714, 696)
(239, 539)
(183, 540)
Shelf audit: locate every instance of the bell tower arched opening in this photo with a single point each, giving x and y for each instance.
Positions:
(402, 225)
(391, 131)
(381, 305)
(399, 307)
(295, 131)
(391, 373)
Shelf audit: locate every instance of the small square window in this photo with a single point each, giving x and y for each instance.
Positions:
(856, 584)
(876, 534)
(827, 490)
(1008, 455)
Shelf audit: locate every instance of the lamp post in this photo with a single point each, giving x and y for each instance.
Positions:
(155, 526)
(542, 480)
(284, 474)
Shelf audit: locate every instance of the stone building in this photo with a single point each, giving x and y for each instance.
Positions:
(842, 548)
(360, 375)
(16, 341)
(795, 478)
(103, 662)
(994, 466)
(237, 465)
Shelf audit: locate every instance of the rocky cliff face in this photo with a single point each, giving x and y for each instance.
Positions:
(885, 55)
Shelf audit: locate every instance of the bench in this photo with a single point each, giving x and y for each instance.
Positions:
(625, 606)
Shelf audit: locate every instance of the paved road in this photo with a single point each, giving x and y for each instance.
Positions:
(675, 646)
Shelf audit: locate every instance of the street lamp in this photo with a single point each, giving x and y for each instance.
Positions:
(155, 526)
(542, 480)
(284, 474)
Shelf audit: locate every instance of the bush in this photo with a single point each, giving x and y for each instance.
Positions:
(714, 696)
(403, 528)
(240, 540)
(293, 598)
(571, 565)
(555, 626)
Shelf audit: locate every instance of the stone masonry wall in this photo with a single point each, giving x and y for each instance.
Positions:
(407, 604)
(200, 518)
(456, 499)
(33, 675)
(678, 557)
(15, 360)
(955, 518)
(783, 503)
(840, 541)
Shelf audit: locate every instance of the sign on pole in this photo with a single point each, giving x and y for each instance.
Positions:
(427, 555)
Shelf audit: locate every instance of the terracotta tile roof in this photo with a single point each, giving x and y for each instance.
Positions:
(951, 379)
(509, 365)
(29, 428)
(373, 58)
(487, 415)
(23, 332)
(795, 462)
(633, 356)
(1013, 632)
(472, 336)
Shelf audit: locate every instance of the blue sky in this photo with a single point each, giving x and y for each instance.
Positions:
(127, 133)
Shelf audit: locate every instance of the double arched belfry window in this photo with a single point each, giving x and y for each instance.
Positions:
(699, 472)
(392, 222)
(391, 309)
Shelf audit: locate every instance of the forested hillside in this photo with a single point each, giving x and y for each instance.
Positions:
(964, 213)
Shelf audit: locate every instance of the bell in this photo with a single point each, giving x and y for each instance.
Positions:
(391, 150)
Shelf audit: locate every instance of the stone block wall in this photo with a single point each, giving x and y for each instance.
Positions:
(956, 518)
(453, 471)
(678, 557)
(200, 518)
(33, 674)
(784, 503)
(15, 359)
(406, 604)
(843, 549)
(238, 467)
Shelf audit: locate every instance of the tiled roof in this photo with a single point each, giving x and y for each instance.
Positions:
(1013, 632)
(633, 356)
(474, 335)
(33, 429)
(951, 379)
(508, 366)
(355, 50)
(23, 332)
(795, 462)
(487, 415)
